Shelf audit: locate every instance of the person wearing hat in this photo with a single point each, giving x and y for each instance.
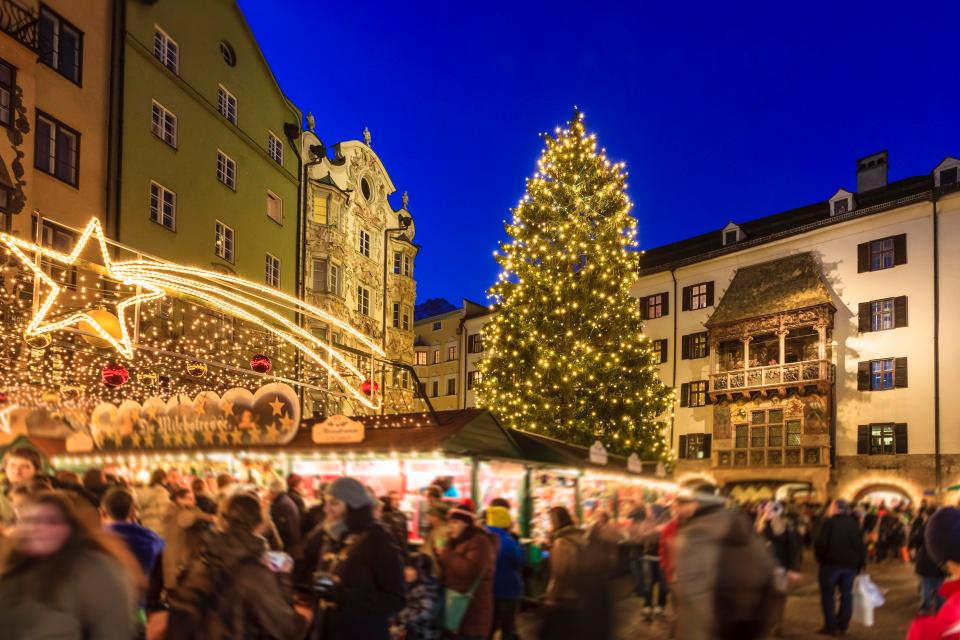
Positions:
(468, 562)
(841, 553)
(436, 535)
(358, 580)
(507, 582)
(942, 541)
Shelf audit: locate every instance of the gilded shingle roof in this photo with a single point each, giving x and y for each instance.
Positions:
(777, 286)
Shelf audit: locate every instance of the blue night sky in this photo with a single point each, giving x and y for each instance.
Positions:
(720, 114)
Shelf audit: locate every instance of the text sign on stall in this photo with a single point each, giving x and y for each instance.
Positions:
(598, 453)
(633, 464)
(338, 430)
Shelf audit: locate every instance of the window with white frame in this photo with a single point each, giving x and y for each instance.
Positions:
(223, 242)
(163, 124)
(7, 89)
(275, 148)
(698, 296)
(363, 300)
(274, 207)
(397, 262)
(227, 104)
(57, 149)
(226, 170)
(406, 265)
(364, 243)
(334, 279)
(436, 356)
(163, 206)
(166, 50)
(405, 318)
(881, 314)
(451, 353)
(473, 377)
(420, 358)
(61, 45)
(396, 315)
(272, 274)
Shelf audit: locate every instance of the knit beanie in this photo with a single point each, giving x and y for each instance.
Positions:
(498, 517)
(462, 515)
(942, 536)
(350, 492)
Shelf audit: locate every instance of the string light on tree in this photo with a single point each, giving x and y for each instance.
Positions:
(567, 356)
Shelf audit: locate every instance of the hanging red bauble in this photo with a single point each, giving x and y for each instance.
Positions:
(260, 363)
(367, 386)
(4, 398)
(114, 375)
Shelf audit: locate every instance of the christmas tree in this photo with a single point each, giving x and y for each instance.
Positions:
(565, 355)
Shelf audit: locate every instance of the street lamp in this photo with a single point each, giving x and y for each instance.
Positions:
(404, 222)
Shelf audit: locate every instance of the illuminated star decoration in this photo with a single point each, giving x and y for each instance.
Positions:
(38, 325)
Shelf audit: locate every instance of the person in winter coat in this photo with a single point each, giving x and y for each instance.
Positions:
(468, 562)
(419, 620)
(21, 466)
(64, 579)
(183, 530)
(120, 517)
(840, 550)
(930, 573)
(563, 595)
(285, 516)
(154, 502)
(295, 491)
(942, 540)
(201, 495)
(359, 578)
(229, 588)
(644, 537)
(783, 541)
(724, 573)
(507, 582)
(394, 519)
(436, 534)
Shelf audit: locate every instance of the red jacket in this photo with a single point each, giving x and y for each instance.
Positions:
(946, 624)
(668, 543)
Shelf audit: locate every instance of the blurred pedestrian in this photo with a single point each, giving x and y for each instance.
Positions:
(942, 540)
(840, 550)
(285, 516)
(436, 535)
(21, 465)
(63, 579)
(234, 588)
(154, 501)
(359, 582)
(562, 616)
(784, 542)
(183, 530)
(468, 561)
(394, 519)
(295, 491)
(202, 497)
(507, 580)
(929, 571)
(419, 619)
(95, 482)
(644, 537)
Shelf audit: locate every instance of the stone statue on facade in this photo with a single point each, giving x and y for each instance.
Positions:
(405, 199)
(366, 136)
(311, 121)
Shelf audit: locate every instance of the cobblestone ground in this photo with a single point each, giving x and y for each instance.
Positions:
(802, 618)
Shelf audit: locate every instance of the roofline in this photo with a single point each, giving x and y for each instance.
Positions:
(437, 315)
(729, 323)
(263, 58)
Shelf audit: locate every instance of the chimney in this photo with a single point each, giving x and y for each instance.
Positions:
(872, 172)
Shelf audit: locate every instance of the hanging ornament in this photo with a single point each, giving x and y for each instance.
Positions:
(4, 398)
(107, 322)
(197, 369)
(114, 375)
(148, 378)
(38, 340)
(260, 363)
(369, 386)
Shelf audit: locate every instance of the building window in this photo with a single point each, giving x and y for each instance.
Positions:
(660, 349)
(334, 280)
(223, 244)
(8, 77)
(436, 356)
(436, 389)
(405, 318)
(473, 377)
(841, 207)
(436, 326)
(741, 438)
(451, 353)
(793, 433)
(274, 207)
(420, 358)
(475, 343)
(57, 149)
(694, 446)
(363, 300)
(884, 253)
(698, 296)
(881, 314)
(226, 170)
(229, 55)
(163, 206)
(882, 439)
(397, 262)
(949, 176)
(655, 306)
(775, 436)
(61, 45)
(165, 50)
(451, 386)
(406, 265)
(275, 148)
(396, 315)
(272, 271)
(881, 374)
(227, 104)
(163, 124)
(693, 394)
(55, 237)
(364, 243)
(320, 271)
(695, 346)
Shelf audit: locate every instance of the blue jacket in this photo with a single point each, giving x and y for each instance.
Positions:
(142, 542)
(507, 583)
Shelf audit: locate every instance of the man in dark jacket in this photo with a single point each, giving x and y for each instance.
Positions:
(841, 553)
(285, 516)
(120, 516)
(468, 562)
(394, 519)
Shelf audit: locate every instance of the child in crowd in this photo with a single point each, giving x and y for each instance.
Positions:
(420, 619)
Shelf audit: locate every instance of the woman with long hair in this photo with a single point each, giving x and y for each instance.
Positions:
(563, 615)
(63, 578)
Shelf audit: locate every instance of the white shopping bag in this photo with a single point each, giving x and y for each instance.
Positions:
(867, 596)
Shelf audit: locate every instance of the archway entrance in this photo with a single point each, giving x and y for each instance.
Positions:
(890, 495)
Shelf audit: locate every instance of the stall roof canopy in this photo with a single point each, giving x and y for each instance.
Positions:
(553, 452)
(768, 288)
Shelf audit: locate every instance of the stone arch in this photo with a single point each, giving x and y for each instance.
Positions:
(856, 492)
(692, 479)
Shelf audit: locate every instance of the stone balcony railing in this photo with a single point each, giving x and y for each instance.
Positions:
(794, 374)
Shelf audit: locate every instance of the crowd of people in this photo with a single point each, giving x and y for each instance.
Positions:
(95, 559)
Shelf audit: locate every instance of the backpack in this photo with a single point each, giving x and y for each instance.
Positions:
(746, 590)
(201, 604)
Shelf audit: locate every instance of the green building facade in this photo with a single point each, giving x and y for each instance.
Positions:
(208, 165)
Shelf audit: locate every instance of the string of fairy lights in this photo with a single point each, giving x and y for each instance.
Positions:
(567, 355)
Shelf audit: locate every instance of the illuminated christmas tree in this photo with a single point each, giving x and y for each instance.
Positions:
(566, 355)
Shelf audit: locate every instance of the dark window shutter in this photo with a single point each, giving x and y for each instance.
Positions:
(643, 308)
(710, 293)
(900, 311)
(863, 257)
(682, 453)
(900, 437)
(666, 303)
(706, 446)
(863, 376)
(863, 439)
(686, 298)
(684, 394)
(706, 393)
(685, 348)
(706, 348)
(863, 317)
(900, 249)
(663, 350)
(900, 372)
